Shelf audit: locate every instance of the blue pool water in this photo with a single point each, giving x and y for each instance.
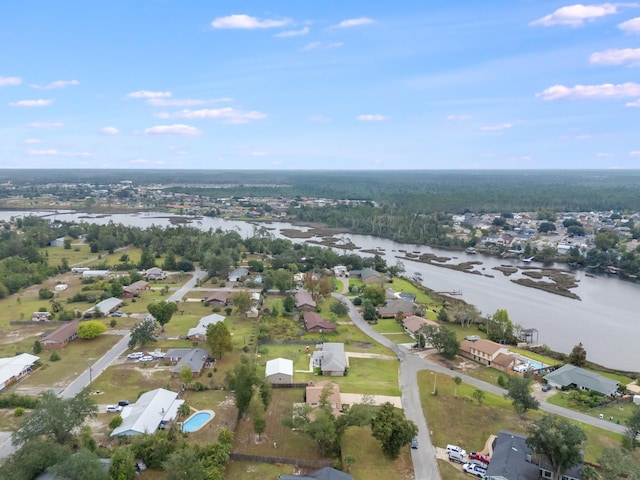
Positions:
(535, 364)
(196, 421)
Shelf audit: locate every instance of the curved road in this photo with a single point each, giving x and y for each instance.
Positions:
(424, 465)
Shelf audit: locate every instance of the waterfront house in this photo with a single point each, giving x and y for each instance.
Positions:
(570, 376)
(487, 352)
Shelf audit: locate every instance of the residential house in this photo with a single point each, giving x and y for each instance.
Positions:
(395, 307)
(512, 459)
(95, 274)
(314, 392)
(330, 359)
(413, 324)
(152, 411)
(237, 274)
(105, 307)
(40, 316)
(370, 276)
(135, 288)
(326, 473)
(487, 352)
(60, 337)
(314, 323)
(199, 332)
(304, 301)
(572, 376)
(217, 299)
(58, 242)
(13, 369)
(154, 273)
(195, 358)
(279, 371)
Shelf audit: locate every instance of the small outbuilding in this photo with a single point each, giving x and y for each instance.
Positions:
(279, 371)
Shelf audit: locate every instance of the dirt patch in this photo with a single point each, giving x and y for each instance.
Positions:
(366, 345)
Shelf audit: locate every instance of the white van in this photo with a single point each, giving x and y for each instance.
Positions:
(457, 457)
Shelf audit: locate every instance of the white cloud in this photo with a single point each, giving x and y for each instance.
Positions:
(56, 84)
(227, 114)
(292, 33)
(604, 155)
(577, 15)
(258, 154)
(459, 117)
(31, 141)
(9, 81)
(635, 153)
(109, 130)
(630, 26)
(46, 124)
(148, 94)
(617, 57)
(57, 153)
(494, 128)
(32, 103)
(606, 90)
(633, 104)
(183, 102)
(354, 22)
(372, 118)
(177, 129)
(247, 22)
(163, 115)
(319, 118)
(315, 45)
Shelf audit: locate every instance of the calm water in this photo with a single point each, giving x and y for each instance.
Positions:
(605, 320)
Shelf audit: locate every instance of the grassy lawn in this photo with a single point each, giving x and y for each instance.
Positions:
(370, 462)
(388, 326)
(620, 412)
(449, 472)
(76, 254)
(128, 380)
(463, 422)
(403, 285)
(251, 470)
(535, 356)
(290, 444)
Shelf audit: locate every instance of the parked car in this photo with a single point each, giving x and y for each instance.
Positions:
(474, 470)
(546, 388)
(114, 408)
(456, 449)
(123, 403)
(135, 355)
(480, 457)
(414, 442)
(146, 358)
(117, 314)
(457, 457)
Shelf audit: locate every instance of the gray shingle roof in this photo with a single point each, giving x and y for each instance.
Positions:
(570, 374)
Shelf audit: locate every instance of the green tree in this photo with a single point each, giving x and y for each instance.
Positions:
(282, 280)
(184, 464)
(478, 395)
(392, 429)
(83, 465)
(606, 240)
(443, 339)
(443, 316)
(369, 312)
(520, 394)
(33, 458)
(242, 302)
(616, 463)
(91, 329)
(242, 379)
(349, 460)
(501, 327)
(162, 312)
(257, 411)
(558, 440)
(375, 294)
(457, 380)
(339, 308)
(37, 347)
(56, 418)
(143, 333)
(289, 304)
(632, 427)
(184, 411)
(578, 356)
(169, 261)
(123, 464)
(546, 227)
(147, 260)
(186, 375)
(219, 339)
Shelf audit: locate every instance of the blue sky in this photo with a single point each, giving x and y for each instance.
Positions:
(302, 84)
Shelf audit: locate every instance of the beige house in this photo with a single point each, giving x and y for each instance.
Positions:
(413, 324)
(314, 391)
(490, 353)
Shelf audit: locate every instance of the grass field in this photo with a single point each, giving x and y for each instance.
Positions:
(403, 285)
(463, 422)
(253, 471)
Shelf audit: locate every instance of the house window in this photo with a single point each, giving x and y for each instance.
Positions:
(546, 473)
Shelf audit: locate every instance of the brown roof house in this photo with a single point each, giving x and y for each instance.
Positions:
(490, 353)
(61, 337)
(413, 324)
(395, 307)
(135, 288)
(304, 301)
(314, 323)
(218, 299)
(314, 392)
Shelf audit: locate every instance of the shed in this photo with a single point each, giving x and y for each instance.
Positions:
(279, 371)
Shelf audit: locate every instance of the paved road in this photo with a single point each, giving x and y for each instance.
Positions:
(179, 294)
(425, 466)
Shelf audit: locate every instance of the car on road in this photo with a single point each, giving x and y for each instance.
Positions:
(114, 408)
(117, 314)
(546, 388)
(480, 457)
(474, 470)
(146, 358)
(414, 442)
(135, 355)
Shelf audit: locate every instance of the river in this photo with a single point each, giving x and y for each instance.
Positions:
(605, 320)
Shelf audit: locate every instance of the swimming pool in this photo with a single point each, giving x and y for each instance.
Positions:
(535, 365)
(196, 421)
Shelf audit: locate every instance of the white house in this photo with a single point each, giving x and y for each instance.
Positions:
(14, 368)
(279, 370)
(200, 330)
(152, 410)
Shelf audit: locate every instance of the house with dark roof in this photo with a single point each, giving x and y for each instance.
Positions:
(330, 359)
(314, 323)
(60, 337)
(512, 459)
(326, 473)
(576, 377)
(237, 274)
(195, 358)
(135, 288)
(369, 276)
(395, 307)
(218, 299)
(487, 352)
(304, 301)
